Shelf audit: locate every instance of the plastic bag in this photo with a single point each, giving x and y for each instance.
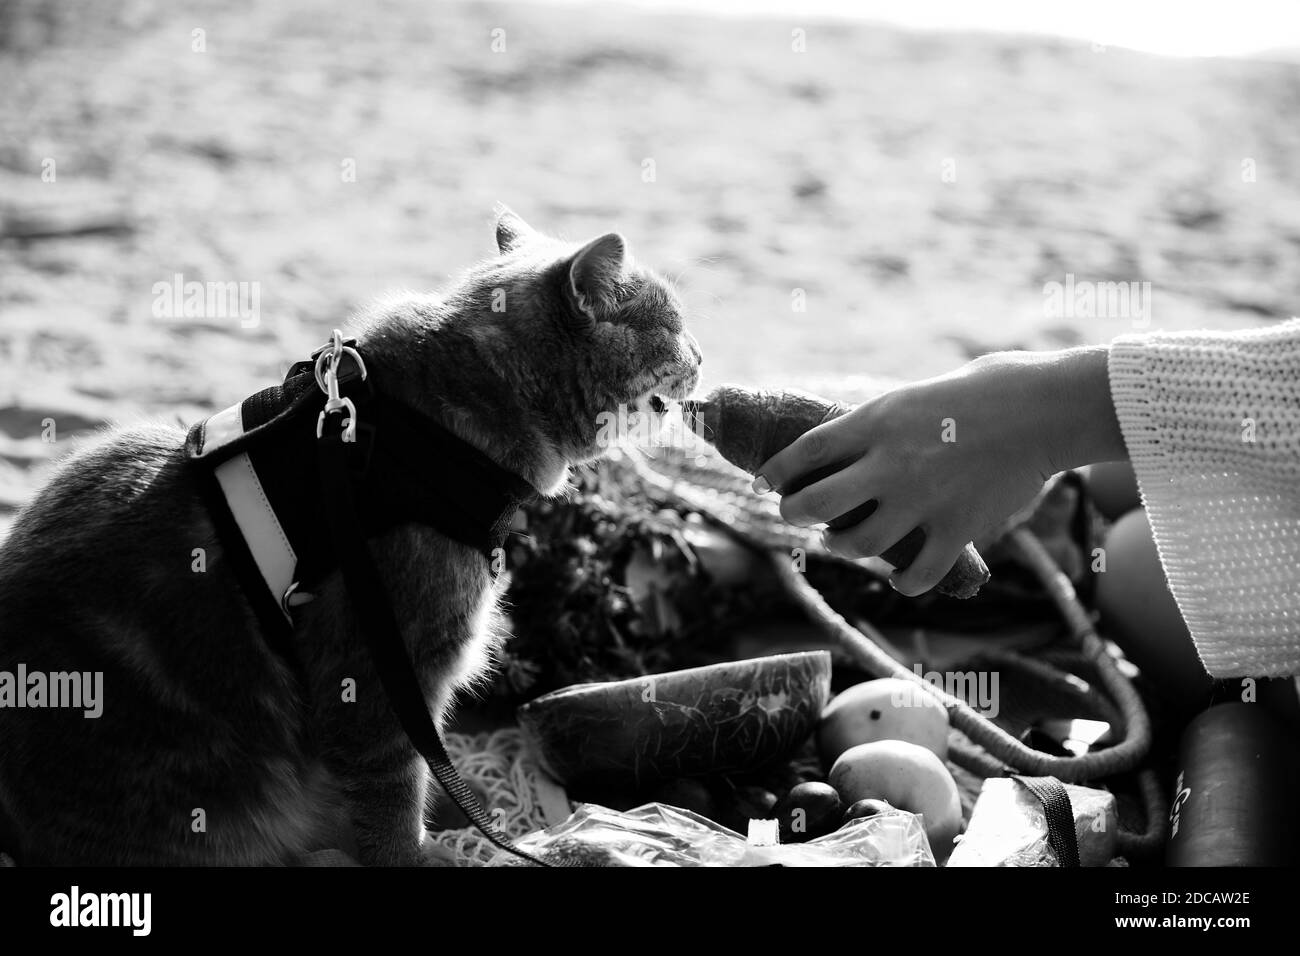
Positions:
(1008, 827)
(660, 835)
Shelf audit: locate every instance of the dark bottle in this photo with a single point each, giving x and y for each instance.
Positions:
(1234, 800)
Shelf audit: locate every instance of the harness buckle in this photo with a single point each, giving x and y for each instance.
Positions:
(293, 598)
(349, 423)
(328, 358)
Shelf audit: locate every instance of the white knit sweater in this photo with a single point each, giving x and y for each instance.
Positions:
(1212, 425)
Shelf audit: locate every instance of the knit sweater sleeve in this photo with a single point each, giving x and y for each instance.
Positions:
(1212, 425)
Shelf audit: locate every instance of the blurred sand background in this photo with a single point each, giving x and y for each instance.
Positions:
(774, 171)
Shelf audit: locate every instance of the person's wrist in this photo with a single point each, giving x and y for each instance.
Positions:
(1086, 428)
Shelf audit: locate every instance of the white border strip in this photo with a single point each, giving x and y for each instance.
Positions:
(272, 552)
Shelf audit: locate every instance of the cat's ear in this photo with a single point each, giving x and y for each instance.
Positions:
(511, 229)
(595, 273)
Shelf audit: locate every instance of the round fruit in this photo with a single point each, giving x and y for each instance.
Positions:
(686, 793)
(908, 777)
(865, 808)
(1140, 614)
(887, 709)
(756, 803)
(1113, 487)
(809, 810)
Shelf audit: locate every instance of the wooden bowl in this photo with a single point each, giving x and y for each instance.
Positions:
(725, 718)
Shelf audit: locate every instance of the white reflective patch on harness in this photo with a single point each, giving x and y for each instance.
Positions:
(223, 428)
(265, 537)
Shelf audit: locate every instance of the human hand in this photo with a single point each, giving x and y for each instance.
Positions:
(954, 455)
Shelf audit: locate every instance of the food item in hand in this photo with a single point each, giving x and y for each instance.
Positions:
(886, 709)
(908, 777)
(863, 809)
(809, 810)
(748, 427)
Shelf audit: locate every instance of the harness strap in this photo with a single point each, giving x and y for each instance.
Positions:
(1059, 813)
(406, 469)
(373, 610)
(289, 514)
(383, 635)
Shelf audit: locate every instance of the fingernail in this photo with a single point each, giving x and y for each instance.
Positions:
(825, 546)
(892, 584)
(761, 486)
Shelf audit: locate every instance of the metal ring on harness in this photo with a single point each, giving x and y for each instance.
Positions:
(331, 353)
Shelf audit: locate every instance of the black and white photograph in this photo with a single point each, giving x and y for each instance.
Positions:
(517, 434)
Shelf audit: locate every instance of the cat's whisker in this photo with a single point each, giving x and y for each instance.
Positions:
(690, 262)
(700, 315)
(685, 297)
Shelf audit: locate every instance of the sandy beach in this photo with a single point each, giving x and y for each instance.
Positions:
(914, 192)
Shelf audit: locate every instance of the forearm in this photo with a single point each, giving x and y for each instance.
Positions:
(1090, 429)
(1062, 401)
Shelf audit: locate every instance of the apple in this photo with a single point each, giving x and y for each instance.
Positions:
(887, 709)
(908, 777)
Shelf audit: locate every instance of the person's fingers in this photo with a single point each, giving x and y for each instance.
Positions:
(873, 535)
(831, 497)
(927, 569)
(829, 443)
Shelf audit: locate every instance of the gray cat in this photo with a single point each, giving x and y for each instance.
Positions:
(201, 718)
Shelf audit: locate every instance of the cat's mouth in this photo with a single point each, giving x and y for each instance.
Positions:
(656, 404)
(653, 416)
(661, 398)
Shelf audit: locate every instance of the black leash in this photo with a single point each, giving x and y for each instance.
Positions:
(375, 614)
(1061, 837)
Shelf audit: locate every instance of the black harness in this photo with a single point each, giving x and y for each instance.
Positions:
(299, 476)
(405, 469)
